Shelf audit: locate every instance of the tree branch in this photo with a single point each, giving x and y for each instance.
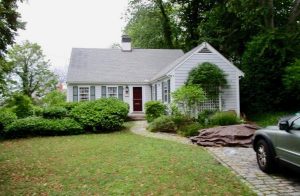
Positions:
(295, 12)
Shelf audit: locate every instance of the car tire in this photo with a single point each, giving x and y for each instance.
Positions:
(265, 157)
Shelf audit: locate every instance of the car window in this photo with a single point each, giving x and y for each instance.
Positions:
(296, 124)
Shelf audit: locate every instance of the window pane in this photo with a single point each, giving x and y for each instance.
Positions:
(84, 93)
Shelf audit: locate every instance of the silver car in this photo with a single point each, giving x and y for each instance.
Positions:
(278, 144)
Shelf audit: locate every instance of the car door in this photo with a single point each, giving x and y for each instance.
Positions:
(288, 143)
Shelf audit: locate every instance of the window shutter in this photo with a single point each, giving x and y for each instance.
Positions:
(103, 91)
(155, 91)
(162, 92)
(120, 92)
(92, 93)
(75, 93)
(169, 89)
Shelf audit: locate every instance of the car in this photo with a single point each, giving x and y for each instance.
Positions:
(275, 145)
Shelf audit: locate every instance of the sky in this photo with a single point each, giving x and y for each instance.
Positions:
(59, 25)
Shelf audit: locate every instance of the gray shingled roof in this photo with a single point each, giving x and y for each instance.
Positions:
(115, 66)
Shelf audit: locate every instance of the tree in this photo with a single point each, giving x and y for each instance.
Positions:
(9, 22)
(54, 98)
(189, 97)
(209, 77)
(30, 73)
(291, 80)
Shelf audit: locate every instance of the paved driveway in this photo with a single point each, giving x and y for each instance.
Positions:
(243, 162)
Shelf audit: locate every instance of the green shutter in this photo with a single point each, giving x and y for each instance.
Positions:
(92, 93)
(155, 89)
(75, 93)
(103, 91)
(120, 92)
(169, 89)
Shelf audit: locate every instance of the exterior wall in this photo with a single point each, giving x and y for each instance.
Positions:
(230, 95)
(146, 91)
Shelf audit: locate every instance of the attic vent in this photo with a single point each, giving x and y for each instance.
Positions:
(204, 50)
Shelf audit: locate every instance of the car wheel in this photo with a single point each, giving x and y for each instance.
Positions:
(264, 156)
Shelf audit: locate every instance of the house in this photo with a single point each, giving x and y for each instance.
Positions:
(140, 75)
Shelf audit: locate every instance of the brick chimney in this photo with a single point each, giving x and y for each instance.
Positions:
(126, 43)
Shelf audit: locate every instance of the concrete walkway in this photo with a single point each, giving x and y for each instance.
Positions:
(241, 161)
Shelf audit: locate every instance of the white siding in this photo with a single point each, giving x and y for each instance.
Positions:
(229, 95)
(69, 93)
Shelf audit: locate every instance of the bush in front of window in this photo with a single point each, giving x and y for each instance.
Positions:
(37, 126)
(154, 109)
(54, 112)
(106, 114)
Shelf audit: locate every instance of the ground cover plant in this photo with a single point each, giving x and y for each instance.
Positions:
(111, 164)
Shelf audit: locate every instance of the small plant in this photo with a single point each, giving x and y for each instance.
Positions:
(54, 112)
(6, 118)
(154, 109)
(162, 124)
(224, 118)
(204, 117)
(190, 129)
(189, 97)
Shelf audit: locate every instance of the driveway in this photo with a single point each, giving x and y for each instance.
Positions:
(243, 162)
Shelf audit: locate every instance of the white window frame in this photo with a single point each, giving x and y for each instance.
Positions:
(117, 92)
(166, 91)
(80, 95)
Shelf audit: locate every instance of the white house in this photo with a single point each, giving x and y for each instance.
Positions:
(140, 75)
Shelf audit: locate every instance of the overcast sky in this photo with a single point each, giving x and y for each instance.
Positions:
(59, 25)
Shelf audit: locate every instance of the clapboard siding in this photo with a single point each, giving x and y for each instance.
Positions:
(229, 96)
(69, 93)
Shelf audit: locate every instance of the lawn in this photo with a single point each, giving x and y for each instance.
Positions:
(111, 164)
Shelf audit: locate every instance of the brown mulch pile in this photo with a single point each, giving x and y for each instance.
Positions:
(232, 135)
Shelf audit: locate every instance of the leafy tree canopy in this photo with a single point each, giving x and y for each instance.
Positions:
(30, 74)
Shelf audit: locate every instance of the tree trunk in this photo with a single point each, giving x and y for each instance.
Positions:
(166, 24)
(269, 13)
(295, 12)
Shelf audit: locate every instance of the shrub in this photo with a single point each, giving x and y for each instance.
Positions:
(204, 117)
(189, 97)
(224, 118)
(103, 114)
(190, 129)
(22, 105)
(154, 109)
(37, 111)
(181, 120)
(70, 105)
(54, 98)
(54, 112)
(6, 118)
(37, 126)
(162, 124)
(210, 77)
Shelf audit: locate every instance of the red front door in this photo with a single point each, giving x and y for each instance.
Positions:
(137, 99)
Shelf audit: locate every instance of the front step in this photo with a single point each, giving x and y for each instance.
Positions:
(136, 116)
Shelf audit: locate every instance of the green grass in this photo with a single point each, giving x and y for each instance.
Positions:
(267, 119)
(111, 164)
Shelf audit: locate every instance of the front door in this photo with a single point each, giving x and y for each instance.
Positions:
(137, 99)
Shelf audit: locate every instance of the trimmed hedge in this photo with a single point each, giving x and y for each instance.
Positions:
(162, 124)
(54, 112)
(154, 109)
(37, 126)
(6, 118)
(106, 114)
(224, 118)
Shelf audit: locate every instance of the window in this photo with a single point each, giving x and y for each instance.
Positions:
(112, 92)
(166, 91)
(296, 124)
(84, 93)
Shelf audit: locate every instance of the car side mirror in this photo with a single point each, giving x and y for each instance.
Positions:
(284, 125)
